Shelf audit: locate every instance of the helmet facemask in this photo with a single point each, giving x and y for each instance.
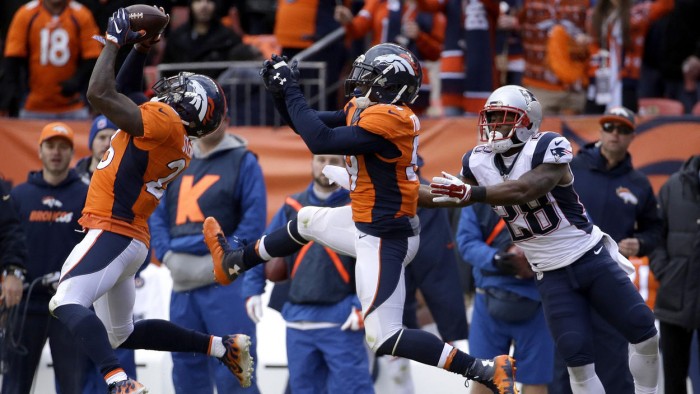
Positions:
(386, 73)
(504, 127)
(196, 98)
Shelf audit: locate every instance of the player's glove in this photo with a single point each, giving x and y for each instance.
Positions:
(513, 263)
(253, 306)
(355, 321)
(277, 74)
(119, 29)
(449, 188)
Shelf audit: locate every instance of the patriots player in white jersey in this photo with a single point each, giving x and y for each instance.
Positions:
(524, 174)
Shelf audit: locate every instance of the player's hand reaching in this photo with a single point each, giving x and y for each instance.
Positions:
(355, 321)
(277, 74)
(119, 29)
(449, 188)
(253, 306)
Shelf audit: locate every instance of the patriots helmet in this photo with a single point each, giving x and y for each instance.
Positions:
(510, 117)
(198, 99)
(386, 73)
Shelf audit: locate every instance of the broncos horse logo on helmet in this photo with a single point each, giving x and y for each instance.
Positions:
(198, 99)
(386, 73)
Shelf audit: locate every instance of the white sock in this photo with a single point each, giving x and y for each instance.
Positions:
(262, 251)
(643, 390)
(217, 348)
(644, 365)
(584, 380)
(116, 376)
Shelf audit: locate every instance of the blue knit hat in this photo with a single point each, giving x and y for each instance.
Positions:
(100, 123)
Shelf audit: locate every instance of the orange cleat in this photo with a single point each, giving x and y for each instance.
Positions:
(497, 374)
(237, 358)
(227, 261)
(129, 386)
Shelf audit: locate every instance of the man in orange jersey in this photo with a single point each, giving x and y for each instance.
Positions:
(151, 147)
(48, 206)
(52, 39)
(378, 133)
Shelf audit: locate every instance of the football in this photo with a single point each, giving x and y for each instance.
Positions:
(148, 18)
(276, 270)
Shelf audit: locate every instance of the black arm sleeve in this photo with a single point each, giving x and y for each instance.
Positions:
(332, 118)
(281, 107)
(329, 118)
(130, 76)
(321, 139)
(13, 250)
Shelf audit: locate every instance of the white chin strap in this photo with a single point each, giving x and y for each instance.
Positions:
(364, 101)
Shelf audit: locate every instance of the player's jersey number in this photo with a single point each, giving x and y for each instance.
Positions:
(353, 169)
(524, 221)
(154, 187)
(54, 47)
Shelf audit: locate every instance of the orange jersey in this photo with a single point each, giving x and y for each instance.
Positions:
(536, 18)
(131, 178)
(53, 46)
(374, 17)
(300, 23)
(383, 188)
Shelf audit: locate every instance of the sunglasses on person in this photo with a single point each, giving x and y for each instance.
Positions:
(622, 129)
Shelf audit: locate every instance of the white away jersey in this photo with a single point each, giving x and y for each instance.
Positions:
(554, 230)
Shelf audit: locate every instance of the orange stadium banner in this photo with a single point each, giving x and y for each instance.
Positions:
(661, 146)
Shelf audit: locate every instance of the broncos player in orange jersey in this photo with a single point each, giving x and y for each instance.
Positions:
(151, 147)
(378, 133)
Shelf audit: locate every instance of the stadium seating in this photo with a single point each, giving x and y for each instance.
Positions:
(696, 109)
(659, 106)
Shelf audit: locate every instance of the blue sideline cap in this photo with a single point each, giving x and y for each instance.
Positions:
(100, 123)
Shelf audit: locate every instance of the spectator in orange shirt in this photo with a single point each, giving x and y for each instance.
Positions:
(301, 23)
(618, 28)
(555, 47)
(52, 39)
(407, 25)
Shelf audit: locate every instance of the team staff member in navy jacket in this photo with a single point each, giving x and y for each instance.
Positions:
(49, 206)
(13, 250)
(223, 180)
(619, 200)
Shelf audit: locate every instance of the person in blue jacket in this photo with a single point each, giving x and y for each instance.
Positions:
(507, 306)
(49, 205)
(619, 200)
(325, 330)
(224, 180)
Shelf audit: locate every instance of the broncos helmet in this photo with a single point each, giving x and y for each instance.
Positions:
(386, 73)
(198, 99)
(510, 117)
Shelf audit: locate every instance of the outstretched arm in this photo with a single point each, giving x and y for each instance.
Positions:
(102, 90)
(453, 191)
(530, 186)
(103, 96)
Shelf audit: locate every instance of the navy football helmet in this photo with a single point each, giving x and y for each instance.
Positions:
(386, 73)
(198, 99)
